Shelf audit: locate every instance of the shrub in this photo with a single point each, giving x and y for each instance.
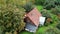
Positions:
(28, 7)
(56, 10)
(58, 26)
(48, 4)
(45, 13)
(57, 2)
(51, 31)
(39, 2)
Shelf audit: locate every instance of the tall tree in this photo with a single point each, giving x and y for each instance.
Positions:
(11, 16)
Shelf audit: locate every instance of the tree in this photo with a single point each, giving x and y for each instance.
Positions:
(11, 16)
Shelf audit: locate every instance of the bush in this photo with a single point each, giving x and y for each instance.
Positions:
(56, 10)
(11, 17)
(48, 4)
(39, 2)
(52, 31)
(57, 2)
(28, 7)
(58, 26)
(45, 13)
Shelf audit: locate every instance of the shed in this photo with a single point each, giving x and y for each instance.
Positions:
(32, 20)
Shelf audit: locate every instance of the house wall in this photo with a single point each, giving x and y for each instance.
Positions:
(42, 20)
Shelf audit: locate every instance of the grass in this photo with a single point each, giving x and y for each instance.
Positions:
(39, 7)
(25, 32)
(41, 30)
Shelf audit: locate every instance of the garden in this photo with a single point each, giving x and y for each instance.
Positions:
(13, 11)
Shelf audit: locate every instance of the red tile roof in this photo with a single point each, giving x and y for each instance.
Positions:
(34, 16)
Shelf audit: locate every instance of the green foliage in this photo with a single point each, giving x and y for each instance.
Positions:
(39, 7)
(28, 7)
(1, 29)
(39, 2)
(11, 17)
(58, 25)
(57, 2)
(56, 10)
(50, 17)
(48, 4)
(52, 31)
(45, 13)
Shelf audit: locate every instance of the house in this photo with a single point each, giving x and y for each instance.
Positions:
(32, 20)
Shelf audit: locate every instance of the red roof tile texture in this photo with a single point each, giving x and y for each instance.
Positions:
(34, 16)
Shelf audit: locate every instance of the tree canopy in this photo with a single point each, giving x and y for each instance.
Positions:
(11, 17)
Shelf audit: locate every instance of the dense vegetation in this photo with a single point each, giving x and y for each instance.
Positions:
(48, 4)
(51, 10)
(28, 6)
(12, 13)
(11, 17)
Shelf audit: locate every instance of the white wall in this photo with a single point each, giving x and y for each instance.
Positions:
(42, 20)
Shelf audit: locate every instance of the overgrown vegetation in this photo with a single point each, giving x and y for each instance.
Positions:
(39, 2)
(12, 13)
(56, 10)
(58, 25)
(11, 17)
(28, 7)
(52, 12)
(52, 31)
(48, 4)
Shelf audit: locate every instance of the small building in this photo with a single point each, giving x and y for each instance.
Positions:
(32, 20)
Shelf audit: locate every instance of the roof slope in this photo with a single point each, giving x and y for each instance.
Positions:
(34, 16)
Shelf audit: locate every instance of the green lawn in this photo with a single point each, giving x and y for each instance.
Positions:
(39, 7)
